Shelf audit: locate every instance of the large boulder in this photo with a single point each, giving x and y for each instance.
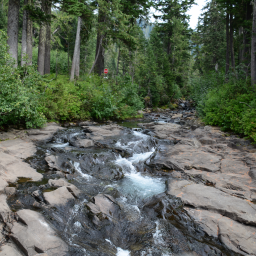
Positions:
(32, 235)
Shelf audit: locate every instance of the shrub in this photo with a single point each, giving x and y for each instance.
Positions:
(91, 97)
(19, 95)
(233, 107)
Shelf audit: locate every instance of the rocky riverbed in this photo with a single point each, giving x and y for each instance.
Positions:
(164, 185)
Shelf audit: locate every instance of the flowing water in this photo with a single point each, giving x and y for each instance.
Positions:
(146, 221)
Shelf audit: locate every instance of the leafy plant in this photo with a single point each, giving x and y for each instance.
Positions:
(19, 94)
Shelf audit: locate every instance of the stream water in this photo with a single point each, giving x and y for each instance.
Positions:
(146, 222)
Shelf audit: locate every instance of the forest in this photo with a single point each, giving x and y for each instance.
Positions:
(53, 55)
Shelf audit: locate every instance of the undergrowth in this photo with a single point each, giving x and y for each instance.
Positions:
(226, 102)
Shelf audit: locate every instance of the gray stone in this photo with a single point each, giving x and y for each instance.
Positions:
(62, 195)
(58, 183)
(36, 235)
(7, 136)
(9, 191)
(207, 140)
(230, 165)
(86, 123)
(18, 148)
(82, 143)
(104, 206)
(141, 112)
(45, 133)
(11, 168)
(166, 128)
(3, 184)
(209, 198)
(105, 130)
(177, 116)
(59, 163)
(180, 157)
(236, 236)
(7, 250)
(4, 208)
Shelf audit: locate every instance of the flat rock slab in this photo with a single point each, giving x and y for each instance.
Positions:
(97, 132)
(7, 250)
(7, 136)
(236, 236)
(59, 163)
(4, 208)
(3, 185)
(45, 133)
(83, 143)
(61, 196)
(18, 148)
(230, 165)
(240, 185)
(11, 168)
(105, 205)
(209, 198)
(180, 157)
(35, 235)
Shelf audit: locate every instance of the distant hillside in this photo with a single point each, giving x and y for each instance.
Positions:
(146, 28)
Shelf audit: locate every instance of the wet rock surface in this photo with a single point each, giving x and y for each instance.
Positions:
(170, 187)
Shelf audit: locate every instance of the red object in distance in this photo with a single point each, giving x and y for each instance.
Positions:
(105, 71)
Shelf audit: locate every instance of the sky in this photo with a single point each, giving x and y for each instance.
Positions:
(194, 12)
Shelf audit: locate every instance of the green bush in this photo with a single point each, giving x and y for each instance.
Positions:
(19, 95)
(90, 97)
(233, 107)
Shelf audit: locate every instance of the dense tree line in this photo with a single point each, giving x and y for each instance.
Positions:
(224, 78)
(71, 42)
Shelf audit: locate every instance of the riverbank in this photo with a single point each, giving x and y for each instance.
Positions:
(100, 190)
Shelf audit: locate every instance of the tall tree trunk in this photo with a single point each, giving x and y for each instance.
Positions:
(56, 64)
(240, 31)
(232, 42)
(29, 36)
(123, 67)
(246, 56)
(85, 57)
(118, 60)
(76, 49)
(24, 36)
(13, 29)
(41, 44)
(47, 59)
(77, 69)
(99, 55)
(68, 58)
(227, 41)
(253, 47)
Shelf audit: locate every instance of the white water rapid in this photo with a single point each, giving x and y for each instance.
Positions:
(134, 182)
